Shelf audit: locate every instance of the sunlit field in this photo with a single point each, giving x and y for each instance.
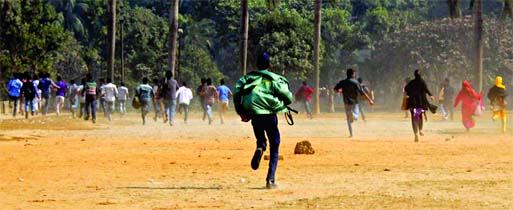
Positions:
(62, 163)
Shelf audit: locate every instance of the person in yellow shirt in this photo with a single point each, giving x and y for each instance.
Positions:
(497, 95)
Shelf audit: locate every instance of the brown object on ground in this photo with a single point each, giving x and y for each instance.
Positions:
(267, 157)
(304, 147)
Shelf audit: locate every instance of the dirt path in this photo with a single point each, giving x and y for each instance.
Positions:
(61, 163)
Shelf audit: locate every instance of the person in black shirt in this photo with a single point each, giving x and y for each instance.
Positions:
(497, 96)
(350, 88)
(416, 91)
(29, 91)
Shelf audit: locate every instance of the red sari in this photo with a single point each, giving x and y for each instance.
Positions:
(469, 99)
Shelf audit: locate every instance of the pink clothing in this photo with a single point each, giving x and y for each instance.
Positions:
(304, 93)
(469, 99)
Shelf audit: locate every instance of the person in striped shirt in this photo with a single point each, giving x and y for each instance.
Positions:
(90, 91)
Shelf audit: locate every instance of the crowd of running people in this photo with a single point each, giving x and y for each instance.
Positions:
(38, 94)
(31, 95)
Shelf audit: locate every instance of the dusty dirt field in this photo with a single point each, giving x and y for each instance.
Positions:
(61, 163)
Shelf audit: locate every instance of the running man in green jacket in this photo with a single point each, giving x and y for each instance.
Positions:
(258, 96)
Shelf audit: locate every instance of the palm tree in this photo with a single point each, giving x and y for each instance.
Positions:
(112, 37)
(173, 34)
(317, 43)
(71, 10)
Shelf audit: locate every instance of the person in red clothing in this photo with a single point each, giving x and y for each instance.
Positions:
(469, 99)
(303, 95)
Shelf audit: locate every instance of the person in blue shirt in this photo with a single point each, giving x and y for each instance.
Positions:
(45, 84)
(14, 88)
(225, 94)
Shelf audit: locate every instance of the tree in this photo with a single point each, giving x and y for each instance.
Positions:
(31, 36)
(478, 41)
(69, 62)
(441, 48)
(72, 11)
(317, 43)
(96, 40)
(340, 40)
(112, 38)
(287, 37)
(244, 30)
(173, 34)
(198, 64)
(145, 38)
(454, 9)
(508, 9)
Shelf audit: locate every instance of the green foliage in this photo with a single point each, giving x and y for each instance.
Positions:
(340, 40)
(442, 48)
(71, 11)
(287, 37)
(377, 37)
(69, 62)
(95, 41)
(31, 36)
(197, 59)
(145, 40)
(196, 63)
(377, 22)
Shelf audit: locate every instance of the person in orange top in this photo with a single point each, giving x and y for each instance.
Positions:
(469, 99)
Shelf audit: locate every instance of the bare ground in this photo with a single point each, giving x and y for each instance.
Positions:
(62, 163)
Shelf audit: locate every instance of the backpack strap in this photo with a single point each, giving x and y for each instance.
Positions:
(288, 115)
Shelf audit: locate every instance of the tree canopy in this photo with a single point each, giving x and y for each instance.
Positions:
(384, 40)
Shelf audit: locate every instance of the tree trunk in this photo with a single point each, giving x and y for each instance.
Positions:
(112, 38)
(508, 8)
(317, 43)
(478, 40)
(454, 9)
(244, 28)
(173, 34)
(3, 10)
(122, 48)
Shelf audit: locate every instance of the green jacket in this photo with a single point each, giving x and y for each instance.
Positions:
(262, 92)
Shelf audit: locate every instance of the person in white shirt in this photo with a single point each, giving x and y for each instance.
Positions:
(101, 105)
(123, 96)
(81, 97)
(37, 100)
(73, 98)
(184, 96)
(109, 92)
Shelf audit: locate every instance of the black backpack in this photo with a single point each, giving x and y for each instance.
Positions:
(163, 88)
(28, 89)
